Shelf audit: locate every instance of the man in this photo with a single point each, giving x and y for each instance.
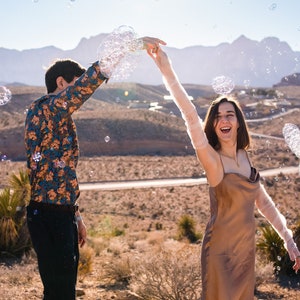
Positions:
(54, 221)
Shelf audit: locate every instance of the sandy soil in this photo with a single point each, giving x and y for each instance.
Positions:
(139, 213)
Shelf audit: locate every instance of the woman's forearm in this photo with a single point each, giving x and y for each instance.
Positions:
(188, 110)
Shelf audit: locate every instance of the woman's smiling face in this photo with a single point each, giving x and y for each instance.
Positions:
(226, 122)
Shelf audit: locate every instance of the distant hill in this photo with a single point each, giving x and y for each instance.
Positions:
(290, 80)
(123, 113)
(130, 131)
(247, 62)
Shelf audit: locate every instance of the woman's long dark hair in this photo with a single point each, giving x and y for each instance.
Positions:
(243, 137)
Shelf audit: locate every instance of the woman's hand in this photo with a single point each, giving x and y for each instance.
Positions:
(162, 60)
(296, 265)
(151, 43)
(294, 254)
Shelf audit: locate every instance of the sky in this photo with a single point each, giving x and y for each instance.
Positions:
(31, 24)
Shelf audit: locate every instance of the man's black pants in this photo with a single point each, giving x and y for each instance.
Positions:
(54, 237)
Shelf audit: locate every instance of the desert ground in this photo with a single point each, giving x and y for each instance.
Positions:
(135, 231)
(148, 221)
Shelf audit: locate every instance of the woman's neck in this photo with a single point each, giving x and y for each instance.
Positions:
(230, 152)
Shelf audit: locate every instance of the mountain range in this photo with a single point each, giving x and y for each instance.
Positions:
(247, 62)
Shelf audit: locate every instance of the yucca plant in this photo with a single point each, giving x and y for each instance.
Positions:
(14, 236)
(8, 227)
(297, 235)
(187, 229)
(272, 246)
(8, 203)
(21, 187)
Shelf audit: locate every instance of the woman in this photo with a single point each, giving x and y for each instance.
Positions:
(228, 250)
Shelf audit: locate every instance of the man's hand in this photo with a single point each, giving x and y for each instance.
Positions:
(82, 234)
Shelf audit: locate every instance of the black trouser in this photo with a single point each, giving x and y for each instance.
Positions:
(55, 240)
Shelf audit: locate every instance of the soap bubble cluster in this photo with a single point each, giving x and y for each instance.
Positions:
(3, 157)
(117, 54)
(291, 133)
(5, 95)
(36, 156)
(223, 85)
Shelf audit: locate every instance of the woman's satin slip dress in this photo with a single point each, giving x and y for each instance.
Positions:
(228, 249)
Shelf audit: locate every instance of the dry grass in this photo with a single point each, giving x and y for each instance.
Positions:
(138, 212)
(149, 217)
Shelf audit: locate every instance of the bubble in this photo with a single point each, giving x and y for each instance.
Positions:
(291, 133)
(247, 83)
(60, 164)
(36, 156)
(117, 54)
(5, 95)
(222, 85)
(3, 157)
(273, 6)
(107, 139)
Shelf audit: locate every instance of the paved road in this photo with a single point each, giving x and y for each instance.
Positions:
(279, 115)
(137, 184)
(270, 137)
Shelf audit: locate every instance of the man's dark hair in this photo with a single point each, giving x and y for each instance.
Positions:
(66, 68)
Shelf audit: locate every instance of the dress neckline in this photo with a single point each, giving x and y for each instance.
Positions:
(253, 178)
(254, 175)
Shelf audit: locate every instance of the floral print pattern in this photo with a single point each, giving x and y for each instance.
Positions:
(51, 140)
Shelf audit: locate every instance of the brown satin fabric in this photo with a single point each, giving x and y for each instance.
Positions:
(228, 250)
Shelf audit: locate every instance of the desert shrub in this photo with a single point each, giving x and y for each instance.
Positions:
(297, 235)
(272, 247)
(168, 275)
(187, 229)
(106, 229)
(98, 244)
(85, 263)
(264, 271)
(158, 226)
(14, 235)
(117, 232)
(118, 270)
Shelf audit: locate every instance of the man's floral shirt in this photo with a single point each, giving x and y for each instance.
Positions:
(51, 141)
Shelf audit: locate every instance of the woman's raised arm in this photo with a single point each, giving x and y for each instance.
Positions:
(207, 156)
